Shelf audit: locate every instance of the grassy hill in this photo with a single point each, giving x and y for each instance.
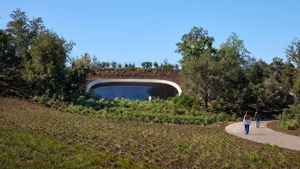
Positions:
(35, 136)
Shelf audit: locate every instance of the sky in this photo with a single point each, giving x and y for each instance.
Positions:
(129, 31)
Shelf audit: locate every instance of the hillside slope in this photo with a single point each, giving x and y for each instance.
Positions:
(33, 135)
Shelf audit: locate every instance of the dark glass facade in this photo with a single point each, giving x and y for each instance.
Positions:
(135, 91)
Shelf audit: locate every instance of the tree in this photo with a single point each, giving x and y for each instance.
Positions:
(146, 65)
(276, 93)
(166, 65)
(74, 83)
(83, 62)
(9, 63)
(45, 72)
(296, 87)
(257, 72)
(23, 32)
(238, 49)
(199, 62)
(156, 65)
(194, 44)
(232, 55)
(293, 52)
(113, 64)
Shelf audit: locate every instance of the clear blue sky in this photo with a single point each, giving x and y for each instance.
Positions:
(147, 30)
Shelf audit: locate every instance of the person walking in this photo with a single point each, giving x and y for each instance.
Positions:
(257, 117)
(247, 122)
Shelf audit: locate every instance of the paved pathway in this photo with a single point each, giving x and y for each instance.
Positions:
(265, 135)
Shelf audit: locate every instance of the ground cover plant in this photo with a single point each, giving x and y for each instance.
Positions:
(50, 134)
(182, 109)
(275, 125)
(288, 121)
(290, 118)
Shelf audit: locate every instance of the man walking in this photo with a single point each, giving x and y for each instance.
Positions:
(257, 117)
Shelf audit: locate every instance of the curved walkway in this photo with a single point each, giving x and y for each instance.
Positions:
(265, 135)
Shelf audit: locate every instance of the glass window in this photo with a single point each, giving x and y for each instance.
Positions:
(135, 91)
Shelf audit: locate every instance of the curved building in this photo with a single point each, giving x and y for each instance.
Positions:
(134, 89)
(133, 84)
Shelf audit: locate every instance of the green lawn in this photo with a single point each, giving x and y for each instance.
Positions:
(34, 136)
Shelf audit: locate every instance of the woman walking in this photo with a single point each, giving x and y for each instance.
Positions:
(247, 122)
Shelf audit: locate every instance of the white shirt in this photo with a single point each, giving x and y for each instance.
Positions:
(247, 122)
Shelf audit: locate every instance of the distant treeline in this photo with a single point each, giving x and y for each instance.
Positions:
(87, 61)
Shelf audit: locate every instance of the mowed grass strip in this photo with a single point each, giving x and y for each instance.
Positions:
(144, 145)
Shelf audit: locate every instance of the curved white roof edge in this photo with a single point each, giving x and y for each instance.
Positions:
(101, 81)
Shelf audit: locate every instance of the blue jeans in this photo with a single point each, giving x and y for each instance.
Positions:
(257, 123)
(247, 129)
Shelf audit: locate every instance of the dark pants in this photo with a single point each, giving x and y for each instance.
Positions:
(246, 128)
(257, 123)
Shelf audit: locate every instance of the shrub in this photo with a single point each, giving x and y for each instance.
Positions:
(290, 118)
(182, 109)
(292, 124)
(187, 102)
(41, 99)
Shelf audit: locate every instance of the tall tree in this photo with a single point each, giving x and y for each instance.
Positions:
(23, 32)
(231, 56)
(199, 62)
(45, 72)
(293, 52)
(293, 55)
(8, 61)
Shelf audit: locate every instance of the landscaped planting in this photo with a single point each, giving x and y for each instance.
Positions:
(275, 125)
(40, 136)
(290, 118)
(179, 110)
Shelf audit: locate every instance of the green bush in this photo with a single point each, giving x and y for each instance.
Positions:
(292, 124)
(290, 118)
(221, 105)
(182, 109)
(187, 102)
(41, 99)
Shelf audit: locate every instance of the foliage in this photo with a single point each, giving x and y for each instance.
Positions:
(24, 31)
(229, 78)
(146, 65)
(290, 118)
(45, 72)
(179, 110)
(85, 61)
(199, 62)
(232, 55)
(36, 58)
(296, 87)
(9, 62)
(293, 52)
(185, 102)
